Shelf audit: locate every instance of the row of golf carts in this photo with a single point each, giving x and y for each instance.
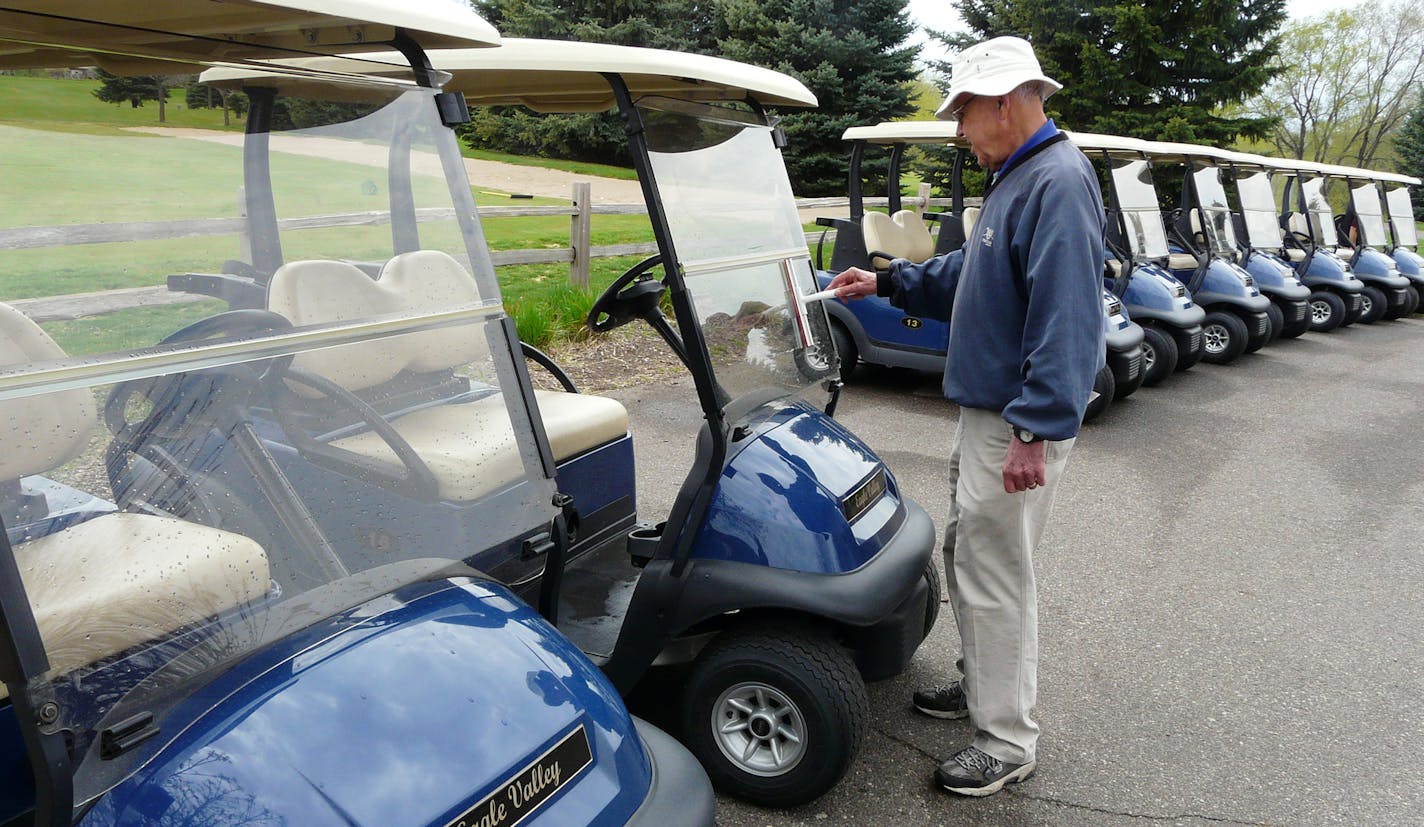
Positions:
(312, 549)
(1245, 251)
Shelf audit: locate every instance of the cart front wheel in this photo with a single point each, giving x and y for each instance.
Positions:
(1327, 311)
(1375, 304)
(1159, 355)
(1225, 337)
(775, 719)
(1103, 385)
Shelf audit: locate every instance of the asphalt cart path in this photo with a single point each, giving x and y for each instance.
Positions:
(1230, 614)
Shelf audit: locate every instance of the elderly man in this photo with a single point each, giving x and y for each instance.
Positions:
(1025, 343)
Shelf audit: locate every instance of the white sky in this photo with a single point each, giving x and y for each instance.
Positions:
(940, 14)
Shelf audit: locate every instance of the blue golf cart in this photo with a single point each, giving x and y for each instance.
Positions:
(1137, 270)
(1335, 294)
(167, 656)
(1203, 223)
(1403, 229)
(1236, 320)
(1362, 227)
(874, 331)
(1310, 222)
(791, 568)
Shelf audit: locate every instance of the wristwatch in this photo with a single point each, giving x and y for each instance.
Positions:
(1026, 436)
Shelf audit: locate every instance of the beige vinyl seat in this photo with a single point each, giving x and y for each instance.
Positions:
(113, 582)
(468, 447)
(969, 218)
(902, 235)
(1298, 223)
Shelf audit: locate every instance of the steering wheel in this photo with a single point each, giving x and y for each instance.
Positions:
(631, 296)
(179, 393)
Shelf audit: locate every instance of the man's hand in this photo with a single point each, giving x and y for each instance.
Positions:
(853, 283)
(1024, 465)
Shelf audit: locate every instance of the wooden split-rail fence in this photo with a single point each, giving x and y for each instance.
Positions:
(578, 254)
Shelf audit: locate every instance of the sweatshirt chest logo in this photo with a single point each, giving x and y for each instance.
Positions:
(987, 237)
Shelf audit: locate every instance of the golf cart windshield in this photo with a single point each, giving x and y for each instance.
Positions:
(742, 252)
(1369, 212)
(1401, 217)
(1216, 212)
(1142, 217)
(183, 485)
(1258, 207)
(1317, 209)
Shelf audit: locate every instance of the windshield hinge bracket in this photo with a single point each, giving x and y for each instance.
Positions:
(125, 735)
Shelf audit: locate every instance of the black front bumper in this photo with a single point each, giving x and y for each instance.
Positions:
(680, 795)
(1126, 365)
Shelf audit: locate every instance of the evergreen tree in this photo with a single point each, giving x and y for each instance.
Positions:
(1409, 146)
(850, 54)
(136, 90)
(131, 90)
(1156, 69)
(661, 24)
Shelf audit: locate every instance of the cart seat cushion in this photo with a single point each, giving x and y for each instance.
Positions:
(1295, 254)
(111, 583)
(328, 292)
(971, 217)
(902, 235)
(1182, 261)
(470, 447)
(44, 431)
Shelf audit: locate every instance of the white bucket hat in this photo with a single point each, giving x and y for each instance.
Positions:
(994, 67)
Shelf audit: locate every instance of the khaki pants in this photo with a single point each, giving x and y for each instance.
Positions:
(988, 560)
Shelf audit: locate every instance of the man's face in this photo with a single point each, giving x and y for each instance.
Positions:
(983, 121)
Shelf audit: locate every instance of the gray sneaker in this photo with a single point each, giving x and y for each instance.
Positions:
(942, 701)
(971, 771)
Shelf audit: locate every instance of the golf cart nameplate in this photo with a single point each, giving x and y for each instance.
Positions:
(861, 499)
(532, 787)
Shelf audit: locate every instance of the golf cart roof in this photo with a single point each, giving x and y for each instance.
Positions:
(129, 38)
(1111, 144)
(558, 76)
(906, 132)
(1395, 178)
(1179, 151)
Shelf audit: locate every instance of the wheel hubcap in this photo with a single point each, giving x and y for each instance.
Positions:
(1319, 312)
(1149, 357)
(1366, 305)
(1217, 338)
(759, 729)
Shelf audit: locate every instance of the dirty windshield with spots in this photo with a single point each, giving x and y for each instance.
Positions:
(742, 251)
(296, 355)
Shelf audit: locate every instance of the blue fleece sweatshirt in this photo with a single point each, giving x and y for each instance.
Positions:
(1025, 292)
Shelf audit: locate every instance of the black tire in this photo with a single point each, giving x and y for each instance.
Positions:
(1327, 311)
(1224, 337)
(1277, 322)
(1375, 304)
(1412, 305)
(1103, 386)
(845, 347)
(797, 679)
(1159, 355)
(935, 596)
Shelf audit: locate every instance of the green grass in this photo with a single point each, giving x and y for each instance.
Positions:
(127, 329)
(70, 106)
(576, 167)
(58, 138)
